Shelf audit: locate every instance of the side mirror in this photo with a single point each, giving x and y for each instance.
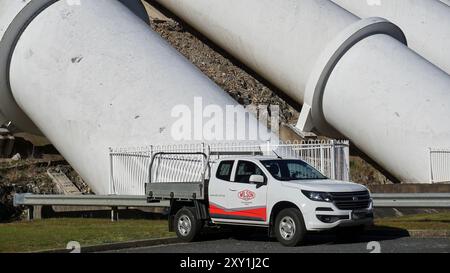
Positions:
(257, 179)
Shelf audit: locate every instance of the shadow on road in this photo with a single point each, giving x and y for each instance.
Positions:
(378, 233)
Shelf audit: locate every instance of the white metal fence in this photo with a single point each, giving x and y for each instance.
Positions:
(178, 168)
(130, 166)
(439, 165)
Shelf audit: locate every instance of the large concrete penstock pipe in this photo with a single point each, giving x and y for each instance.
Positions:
(12, 10)
(426, 24)
(94, 76)
(356, 78)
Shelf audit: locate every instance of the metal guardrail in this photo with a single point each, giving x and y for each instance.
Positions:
(84, 200)
(383, 200)
(411, 200)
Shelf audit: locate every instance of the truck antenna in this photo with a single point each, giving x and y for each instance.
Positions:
(279, 157)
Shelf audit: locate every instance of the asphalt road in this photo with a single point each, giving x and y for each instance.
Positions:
(313, 244)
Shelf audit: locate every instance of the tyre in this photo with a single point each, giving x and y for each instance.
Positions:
(186, 224)
(290, 227)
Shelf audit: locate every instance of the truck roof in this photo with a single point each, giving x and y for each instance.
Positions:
(259, 157)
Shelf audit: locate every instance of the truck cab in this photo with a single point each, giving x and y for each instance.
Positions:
(287, 196)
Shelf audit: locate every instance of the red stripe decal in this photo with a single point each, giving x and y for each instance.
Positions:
(257, 212)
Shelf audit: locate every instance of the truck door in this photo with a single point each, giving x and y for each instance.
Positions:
(246, 202)
(218, 189)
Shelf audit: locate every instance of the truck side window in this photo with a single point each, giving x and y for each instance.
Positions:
(245, 169)
(224, 170)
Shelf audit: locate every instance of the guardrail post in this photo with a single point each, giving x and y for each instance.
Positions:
(37, 212)
(114, 214)
(28, 212)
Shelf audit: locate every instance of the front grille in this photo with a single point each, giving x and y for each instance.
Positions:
(351, 200)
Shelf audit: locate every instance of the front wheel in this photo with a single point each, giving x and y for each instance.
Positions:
(187, 226)
(290, 227)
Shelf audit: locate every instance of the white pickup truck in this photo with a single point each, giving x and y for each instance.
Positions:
(288, 197)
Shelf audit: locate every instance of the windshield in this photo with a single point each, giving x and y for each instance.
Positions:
(286, 170)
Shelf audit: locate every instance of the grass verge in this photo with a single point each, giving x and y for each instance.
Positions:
(56, 233)
(48, 234)
(436, 221)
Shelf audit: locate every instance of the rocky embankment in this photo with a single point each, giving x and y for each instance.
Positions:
(244, 87)
(30, 176)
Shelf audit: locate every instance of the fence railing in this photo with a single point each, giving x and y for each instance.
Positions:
(329, 157)
(130, 166)
(178, 168)
(439, 165)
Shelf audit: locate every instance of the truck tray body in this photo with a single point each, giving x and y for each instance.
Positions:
(182, 175)
(175, 190)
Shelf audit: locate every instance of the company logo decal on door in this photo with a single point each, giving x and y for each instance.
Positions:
(246, 195)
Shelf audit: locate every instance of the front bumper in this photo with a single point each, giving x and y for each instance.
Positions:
(321, 219)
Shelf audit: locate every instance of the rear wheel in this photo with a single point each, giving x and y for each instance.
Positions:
(290, 227)
(187, 226)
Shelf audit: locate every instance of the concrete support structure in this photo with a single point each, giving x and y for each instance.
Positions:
(94, 76)
(356, 78)
(426, 24)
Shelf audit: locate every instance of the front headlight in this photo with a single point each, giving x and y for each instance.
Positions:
(318, 196)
